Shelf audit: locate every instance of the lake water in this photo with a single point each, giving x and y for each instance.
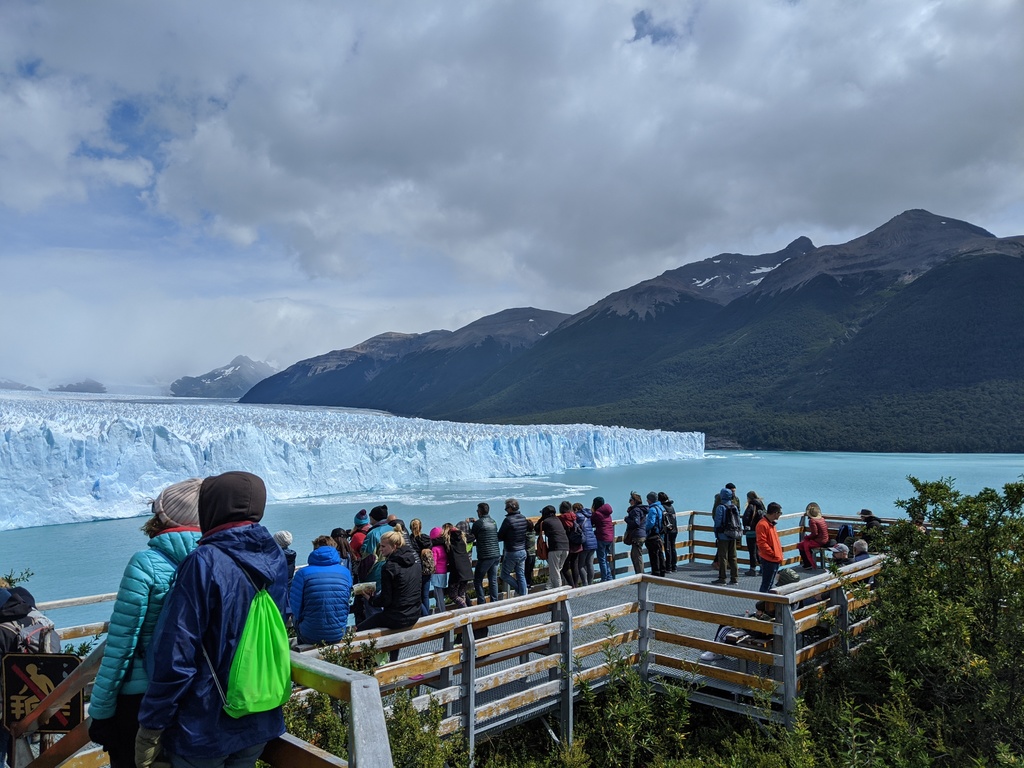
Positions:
(79, 559)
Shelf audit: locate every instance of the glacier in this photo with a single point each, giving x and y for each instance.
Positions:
(71, 458)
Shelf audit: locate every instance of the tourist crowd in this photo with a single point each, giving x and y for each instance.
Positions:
(165, 684)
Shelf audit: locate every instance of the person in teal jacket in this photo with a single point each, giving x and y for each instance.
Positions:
(121, 680)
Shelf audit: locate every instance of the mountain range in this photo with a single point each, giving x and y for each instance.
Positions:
(908, 338)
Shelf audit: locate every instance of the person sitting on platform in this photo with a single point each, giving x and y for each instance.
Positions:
(860, 550)
(320, 595)
(817, 538)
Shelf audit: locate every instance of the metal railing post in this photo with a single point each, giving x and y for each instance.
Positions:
(838, 598)
(643, 625)
(568, 685)
(789, 670)
(467, 694)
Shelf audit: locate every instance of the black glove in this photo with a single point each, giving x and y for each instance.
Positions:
(103, 732)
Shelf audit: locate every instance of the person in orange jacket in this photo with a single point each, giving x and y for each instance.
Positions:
(769, 548)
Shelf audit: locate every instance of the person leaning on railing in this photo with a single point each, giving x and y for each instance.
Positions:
(200, 628)
(173, 532)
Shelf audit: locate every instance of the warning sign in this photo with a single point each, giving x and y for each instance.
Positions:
(28, 678)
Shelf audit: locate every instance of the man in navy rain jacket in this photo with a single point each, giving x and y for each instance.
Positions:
(655, 526)
(203, 617)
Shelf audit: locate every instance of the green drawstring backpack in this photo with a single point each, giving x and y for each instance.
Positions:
(261, 670)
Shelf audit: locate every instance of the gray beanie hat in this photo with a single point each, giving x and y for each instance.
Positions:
(178, 504)
(283, 539)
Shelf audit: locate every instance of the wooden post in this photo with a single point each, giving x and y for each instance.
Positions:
(468, 689)
(568, 686)
(788, 663)
(643, 625)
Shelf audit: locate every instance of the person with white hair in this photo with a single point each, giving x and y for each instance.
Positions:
(860, 550)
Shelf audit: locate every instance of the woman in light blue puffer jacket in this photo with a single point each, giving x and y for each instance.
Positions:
(121, 680)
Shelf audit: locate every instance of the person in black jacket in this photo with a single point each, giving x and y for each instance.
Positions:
(550, 527)
(399, 596)
(488, 555)
(513, 535)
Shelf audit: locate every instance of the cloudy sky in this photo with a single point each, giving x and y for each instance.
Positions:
(182, 182)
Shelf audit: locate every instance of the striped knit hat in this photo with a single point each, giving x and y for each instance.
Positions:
(178, 504)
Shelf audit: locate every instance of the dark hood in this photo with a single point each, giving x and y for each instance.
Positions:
(253, 549)
(14, 606)
(234, 497)
(403, 556)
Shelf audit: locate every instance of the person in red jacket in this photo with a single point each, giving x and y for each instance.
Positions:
(818, 536)
(604, 530)
(769, 548)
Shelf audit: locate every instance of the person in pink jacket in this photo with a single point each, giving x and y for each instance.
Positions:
(439, 581)
(604, 530)
(818, 536)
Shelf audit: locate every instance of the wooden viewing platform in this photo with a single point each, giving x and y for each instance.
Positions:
(495, 666)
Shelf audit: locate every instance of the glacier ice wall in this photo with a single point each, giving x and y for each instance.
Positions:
(71, 458)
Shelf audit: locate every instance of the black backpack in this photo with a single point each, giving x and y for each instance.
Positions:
(575, 534)
(732, 527)
(35, 633)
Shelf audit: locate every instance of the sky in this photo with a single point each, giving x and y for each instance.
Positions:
(184, 182)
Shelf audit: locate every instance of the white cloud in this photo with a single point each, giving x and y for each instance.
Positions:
(441, 161)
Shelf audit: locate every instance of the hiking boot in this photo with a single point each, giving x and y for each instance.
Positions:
(720, 581)
(752, 572)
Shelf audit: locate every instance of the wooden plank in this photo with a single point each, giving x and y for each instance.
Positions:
(488, 682)
(83, 630)
(442, 697)
(288, 751)
(598, 646)
(516, 638)
(73, 602)
(519, 700)
(725, 675)
(591, 673)
(450, 725)
(725, 649)
(419, 665)
(605, 614)
(90, 758)
(815, 619)
(812, 651)
(710, 617)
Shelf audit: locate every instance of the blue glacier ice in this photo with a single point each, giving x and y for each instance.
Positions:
(68, 458)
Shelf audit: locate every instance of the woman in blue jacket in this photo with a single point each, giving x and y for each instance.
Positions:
(121, 680)
(320, 595)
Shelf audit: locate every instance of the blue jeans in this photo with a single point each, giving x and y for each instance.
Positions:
(513, 570)
(488, 566)
(768, 574)
(243, 758)
(605, 550)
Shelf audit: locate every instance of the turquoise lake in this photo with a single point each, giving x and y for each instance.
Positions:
(71, 560)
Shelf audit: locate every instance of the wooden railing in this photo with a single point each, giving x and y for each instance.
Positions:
(488, 682)
(368, 745)
(546, 645)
